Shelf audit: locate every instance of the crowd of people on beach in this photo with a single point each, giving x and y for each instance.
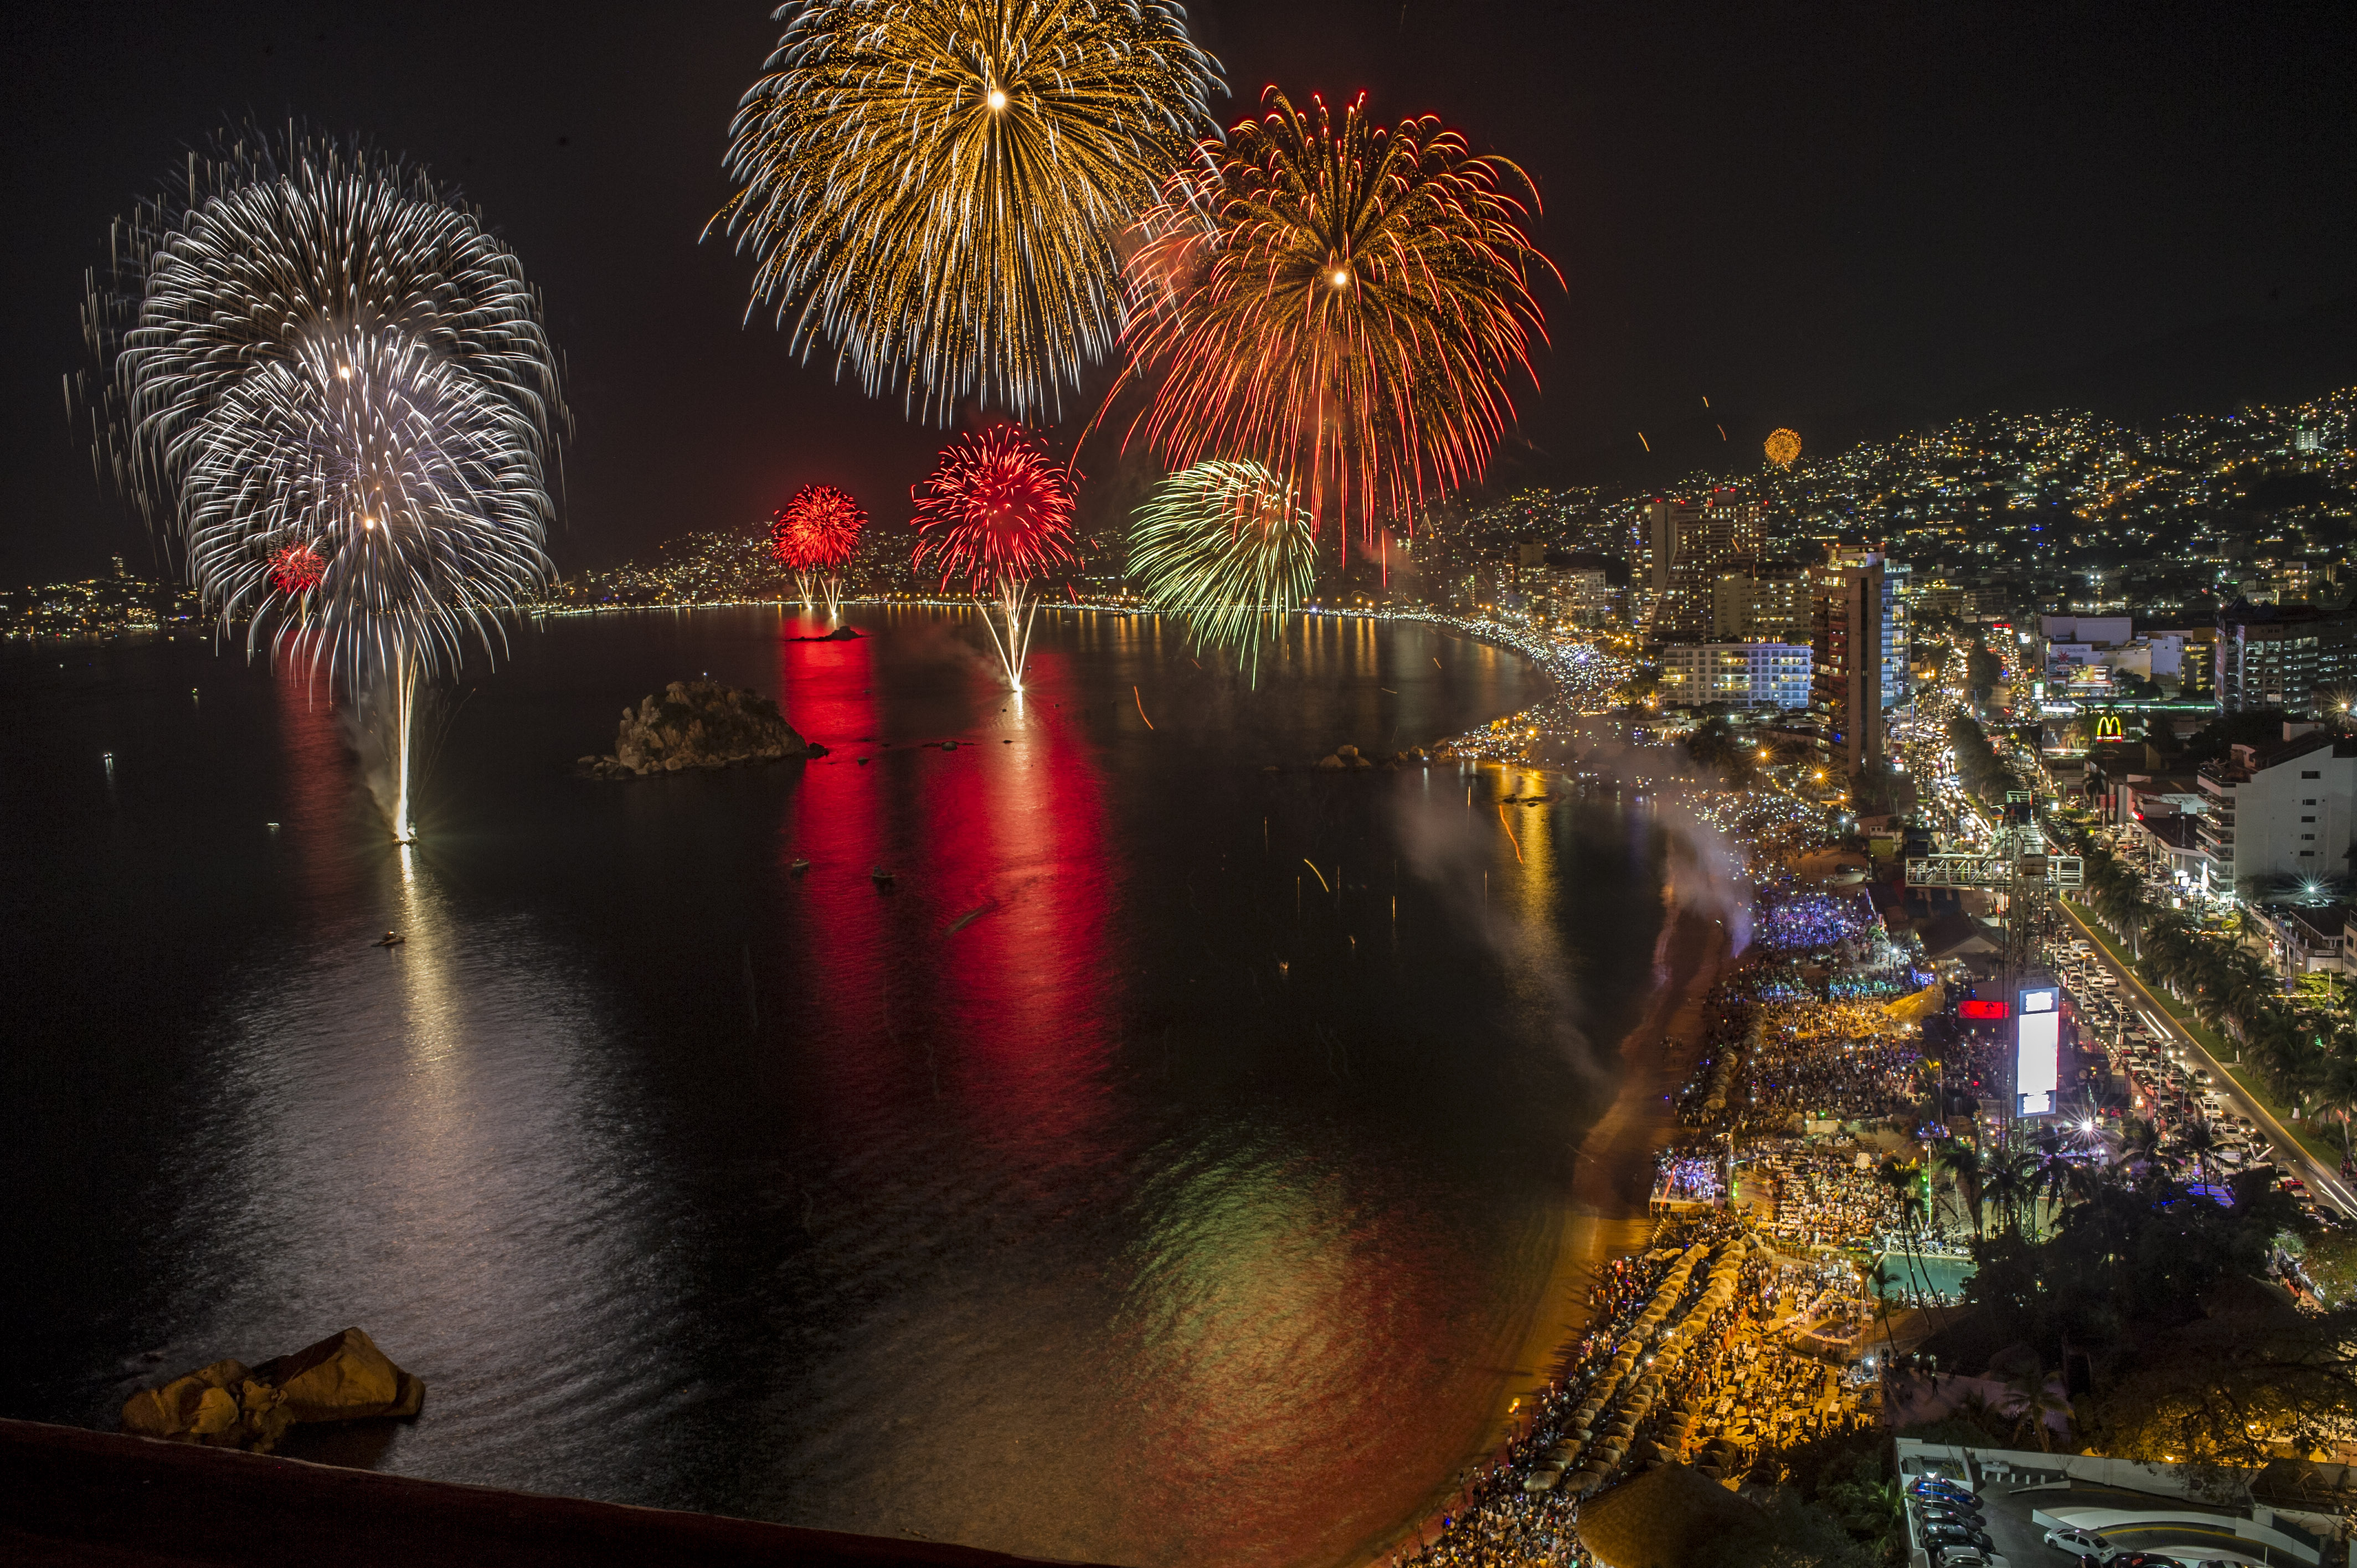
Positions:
(1685, 1359)
(1746, 1326)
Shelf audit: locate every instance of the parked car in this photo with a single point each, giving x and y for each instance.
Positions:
(1932, 1513)
(1939, 1486)
(1955, 1535)
(2082, 1543)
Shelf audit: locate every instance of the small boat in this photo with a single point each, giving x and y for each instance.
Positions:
(878, 875)
(390, 940)
(799, 866)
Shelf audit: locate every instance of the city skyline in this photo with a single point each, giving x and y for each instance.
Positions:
(1757, 227)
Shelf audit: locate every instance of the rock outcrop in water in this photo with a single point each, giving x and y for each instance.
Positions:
(230, 1405)
(698, 724)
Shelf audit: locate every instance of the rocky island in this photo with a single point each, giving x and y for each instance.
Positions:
(698, 724)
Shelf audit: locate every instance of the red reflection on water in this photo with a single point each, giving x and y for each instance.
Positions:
(827, 690)
(320, 777)
(1015, 839)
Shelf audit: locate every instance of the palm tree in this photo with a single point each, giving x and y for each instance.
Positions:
(2334, 1087)
(1960, 1164)
(2139, 1139)
(2197, 1140)
(2036, 1402)
(2007, 1181)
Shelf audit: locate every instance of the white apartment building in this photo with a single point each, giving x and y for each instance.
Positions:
(1745, 674)
(2279, 811)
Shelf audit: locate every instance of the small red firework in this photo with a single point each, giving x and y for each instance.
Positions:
(817, 530)
(996, 508)
(296, 568)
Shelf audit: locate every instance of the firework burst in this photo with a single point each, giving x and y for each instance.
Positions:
(996, 512)
(328, 385)
(933, 186)
(1338, 301)
(1783, 447)
(1227, 546)
(814, 535)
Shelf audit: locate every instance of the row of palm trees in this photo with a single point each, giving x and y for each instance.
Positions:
(2308, 1062)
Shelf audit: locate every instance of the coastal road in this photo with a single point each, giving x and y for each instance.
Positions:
(2322, 1180)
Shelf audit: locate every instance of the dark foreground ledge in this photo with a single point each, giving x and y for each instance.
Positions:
(70, 1496)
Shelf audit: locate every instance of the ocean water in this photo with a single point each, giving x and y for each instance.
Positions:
(1161, 1170)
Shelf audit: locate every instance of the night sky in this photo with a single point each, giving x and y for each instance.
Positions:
(1845, 218)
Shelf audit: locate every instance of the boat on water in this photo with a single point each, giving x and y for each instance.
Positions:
(878, 875)
(799, 866)
(390, 940)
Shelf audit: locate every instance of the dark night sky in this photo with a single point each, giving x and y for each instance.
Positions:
(1840, 216)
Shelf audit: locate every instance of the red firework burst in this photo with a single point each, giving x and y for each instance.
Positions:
(296, 568)
(817, 530)
(995, 508)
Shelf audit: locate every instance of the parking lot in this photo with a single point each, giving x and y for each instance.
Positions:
(2018, 1508)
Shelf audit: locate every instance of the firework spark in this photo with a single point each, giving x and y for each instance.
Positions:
(814, 535)
(328, 384)
(1341, 302)
(934, 187)
(996, 512)
(1228, 546)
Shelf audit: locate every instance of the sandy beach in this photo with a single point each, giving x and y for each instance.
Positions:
(1605, 1216)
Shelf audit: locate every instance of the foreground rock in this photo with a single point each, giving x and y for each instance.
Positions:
(230, 1405)
(698, 724)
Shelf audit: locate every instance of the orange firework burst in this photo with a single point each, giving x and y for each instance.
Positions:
(1784, 446)
(1341, 302)
(998, 512)
(296, 568)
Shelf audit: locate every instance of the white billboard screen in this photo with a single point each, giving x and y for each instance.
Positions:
(2038, 1053)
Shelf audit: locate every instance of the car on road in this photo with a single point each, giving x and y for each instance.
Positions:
(2082, 1543)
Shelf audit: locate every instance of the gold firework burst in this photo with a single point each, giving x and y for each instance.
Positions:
(934, 186)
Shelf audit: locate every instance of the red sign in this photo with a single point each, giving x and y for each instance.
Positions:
(1984, 1009)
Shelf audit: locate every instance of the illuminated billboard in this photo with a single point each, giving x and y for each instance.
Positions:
(2037, 1052)
(1977, 1009)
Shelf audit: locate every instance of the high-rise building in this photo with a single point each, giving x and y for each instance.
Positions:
(1685, 549)
(1741, 674)
(1768, 602)
(2279, 809)
(1848, 645)
(2284, 656)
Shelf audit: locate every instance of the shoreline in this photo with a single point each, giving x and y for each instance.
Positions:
(1604, 1215)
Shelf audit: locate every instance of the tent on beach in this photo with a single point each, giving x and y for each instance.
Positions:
(1670, 1517)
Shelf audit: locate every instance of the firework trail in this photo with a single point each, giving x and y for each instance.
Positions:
(1338, 301)
(996, 512)
(934, 187)
(1228, 546)
(328, 385)
(814, 536)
